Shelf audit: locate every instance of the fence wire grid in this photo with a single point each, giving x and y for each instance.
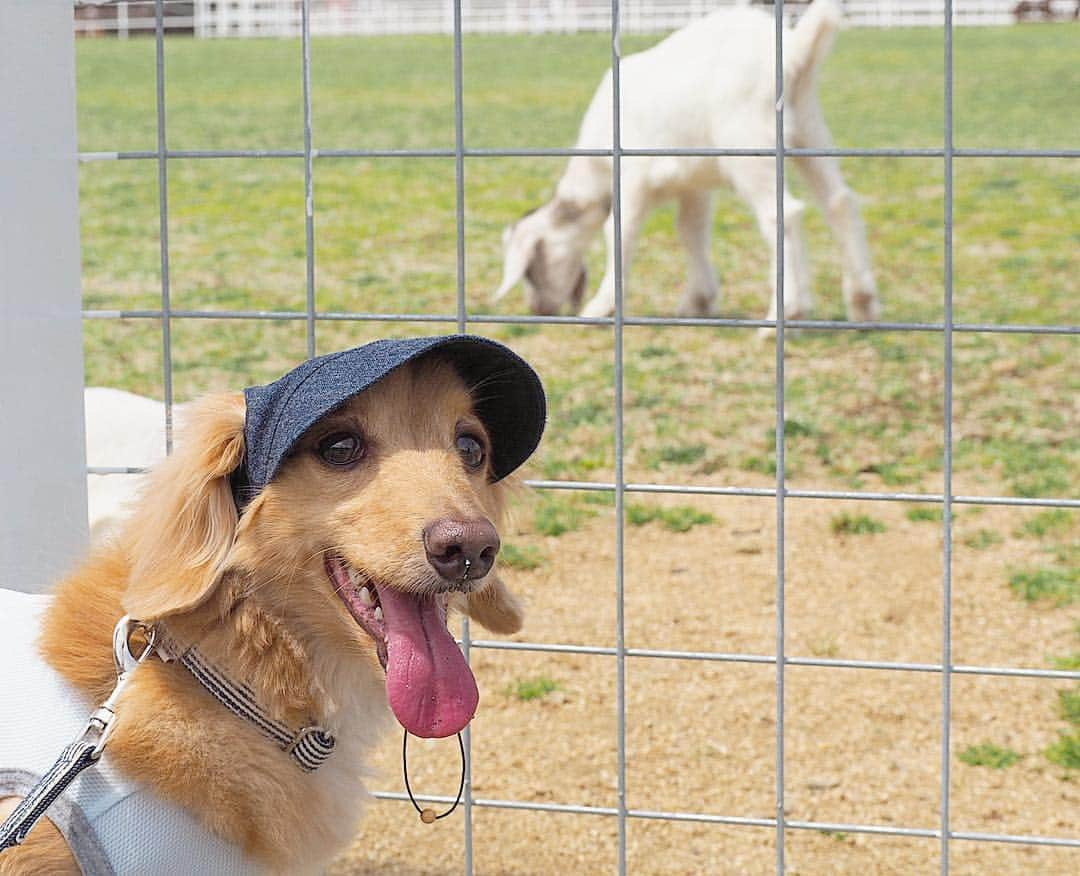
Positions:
(462, 319)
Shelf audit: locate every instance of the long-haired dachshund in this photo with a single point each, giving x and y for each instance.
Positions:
(296, 558)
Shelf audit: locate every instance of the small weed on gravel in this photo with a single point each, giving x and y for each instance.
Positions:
(933, 514)
(856, 524)
(675, 454)
(1070, 663)
(1062, 586)
(989, 755)
(681, 518)
(983, 539)
(1066, 751)
(533, 688)
(527, 557)
(1048, 522)
(1070, 705)
(556, 515)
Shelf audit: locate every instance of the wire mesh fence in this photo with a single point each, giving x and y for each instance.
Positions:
(462, 319)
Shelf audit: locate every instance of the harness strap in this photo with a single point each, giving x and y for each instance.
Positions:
(73, 760)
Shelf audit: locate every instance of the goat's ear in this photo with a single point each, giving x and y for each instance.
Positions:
(565, 210)
(495, 607)
(520, 246)
(185, 523)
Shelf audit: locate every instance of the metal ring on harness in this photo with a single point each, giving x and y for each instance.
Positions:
(123, 656)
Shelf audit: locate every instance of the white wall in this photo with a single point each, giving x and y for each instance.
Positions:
(42, 454)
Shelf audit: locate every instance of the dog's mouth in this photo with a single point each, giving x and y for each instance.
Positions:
(429, 685)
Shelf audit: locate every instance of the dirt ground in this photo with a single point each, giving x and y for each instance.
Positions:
(862, 746)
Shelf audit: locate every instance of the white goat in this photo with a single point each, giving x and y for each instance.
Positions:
(709, 85)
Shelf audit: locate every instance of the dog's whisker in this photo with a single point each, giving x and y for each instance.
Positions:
(265, 582)
(285, 599)
(322, 552)
(487, 381)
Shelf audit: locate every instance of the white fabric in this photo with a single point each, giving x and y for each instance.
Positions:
(113, 825)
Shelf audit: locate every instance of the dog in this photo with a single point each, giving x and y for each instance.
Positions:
(302, 547)
(708, 85)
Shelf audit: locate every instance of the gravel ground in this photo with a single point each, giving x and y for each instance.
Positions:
(862, 745)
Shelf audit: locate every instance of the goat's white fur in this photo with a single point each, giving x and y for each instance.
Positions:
(709, 85)
(122, 430)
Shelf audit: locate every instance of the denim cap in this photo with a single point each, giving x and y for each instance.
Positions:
(511, 406)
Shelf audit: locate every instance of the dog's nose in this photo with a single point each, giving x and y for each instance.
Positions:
(461, 549)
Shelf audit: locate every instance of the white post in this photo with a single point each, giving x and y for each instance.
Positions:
(42, 449)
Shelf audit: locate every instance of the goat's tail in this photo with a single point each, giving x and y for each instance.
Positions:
(810, 41)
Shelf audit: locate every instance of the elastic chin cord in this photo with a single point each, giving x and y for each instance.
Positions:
(429, 816)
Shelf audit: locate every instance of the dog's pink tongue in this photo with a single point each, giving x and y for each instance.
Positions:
(428, 683)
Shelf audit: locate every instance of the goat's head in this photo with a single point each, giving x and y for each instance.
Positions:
(545, 250)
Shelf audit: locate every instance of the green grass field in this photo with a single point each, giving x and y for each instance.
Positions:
(385, 238)
(864, 410)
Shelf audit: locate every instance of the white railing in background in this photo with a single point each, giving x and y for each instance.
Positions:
(277, 18)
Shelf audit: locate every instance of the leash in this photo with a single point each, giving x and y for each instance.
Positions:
(85, 751)
(428, 816)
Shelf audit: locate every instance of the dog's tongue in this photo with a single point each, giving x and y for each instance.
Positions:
(428, 683)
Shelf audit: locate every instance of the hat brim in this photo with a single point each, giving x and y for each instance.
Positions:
(509, 397)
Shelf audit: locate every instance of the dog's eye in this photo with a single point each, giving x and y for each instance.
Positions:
(342, 448)
(471, 450)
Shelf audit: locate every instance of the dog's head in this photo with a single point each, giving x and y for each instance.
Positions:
(545, 250)
(379, 518)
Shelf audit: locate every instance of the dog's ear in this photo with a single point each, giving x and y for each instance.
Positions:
(495, 607)
(185, 523)
(520, 247)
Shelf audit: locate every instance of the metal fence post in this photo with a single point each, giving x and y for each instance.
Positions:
(42, 446)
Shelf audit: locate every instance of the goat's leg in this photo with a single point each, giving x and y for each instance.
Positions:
(695, 227)
(632, 215)
(755, 182)
(841, 207)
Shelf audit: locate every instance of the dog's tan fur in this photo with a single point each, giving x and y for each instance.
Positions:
(253, 593)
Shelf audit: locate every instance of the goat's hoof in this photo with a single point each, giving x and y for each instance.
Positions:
(591, 312)
(864, 307)
(768, 332)
(860, 294)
